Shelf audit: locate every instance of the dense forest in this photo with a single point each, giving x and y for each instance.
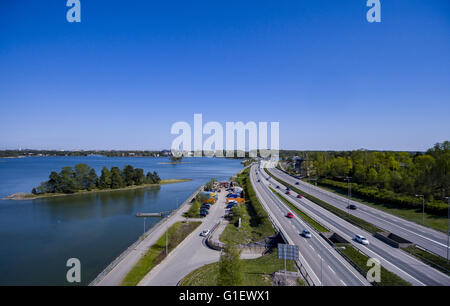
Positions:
(394, 177)
(83, 177)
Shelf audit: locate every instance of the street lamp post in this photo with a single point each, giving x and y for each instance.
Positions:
(348, 179)
(423, 207)
(448, 225)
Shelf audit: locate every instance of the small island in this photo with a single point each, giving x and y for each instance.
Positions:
(83, 179)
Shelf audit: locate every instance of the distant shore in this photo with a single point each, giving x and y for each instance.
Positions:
(175, 163)
(30, 196)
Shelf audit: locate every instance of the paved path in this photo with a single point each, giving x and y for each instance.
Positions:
(190, 254)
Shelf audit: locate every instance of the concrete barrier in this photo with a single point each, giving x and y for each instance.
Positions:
(393, 240)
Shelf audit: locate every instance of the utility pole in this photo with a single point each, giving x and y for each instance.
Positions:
(167, 241)
(423, 207)
(348, 179)
(144, 224)
(448, 225)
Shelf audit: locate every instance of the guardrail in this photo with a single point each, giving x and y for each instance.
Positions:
(119, 258)
(300, 265)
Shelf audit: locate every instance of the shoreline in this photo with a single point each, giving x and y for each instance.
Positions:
(29, 196)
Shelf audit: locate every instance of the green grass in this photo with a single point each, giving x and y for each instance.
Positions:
(414, 215)
(319, 227)
(360, 260)
(438, 262)
(338, 212)
(256, 271)
(194, 210)
(157, 252)
(255, 225)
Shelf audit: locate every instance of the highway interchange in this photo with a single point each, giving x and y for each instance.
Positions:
(395, 260)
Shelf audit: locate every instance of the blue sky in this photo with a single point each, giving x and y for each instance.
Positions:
(121, 77)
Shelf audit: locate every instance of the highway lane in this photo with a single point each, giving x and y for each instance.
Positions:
(391, 258)
(427, 238)
(327, 266)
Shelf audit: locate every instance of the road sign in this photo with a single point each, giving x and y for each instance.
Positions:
(287, 251)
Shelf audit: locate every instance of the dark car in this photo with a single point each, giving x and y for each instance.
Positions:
(207, 206)
(278, 187)
(287, 188)
(204, 211)
(352, 207)
(259, 181)
(288, 192)
(296, 183)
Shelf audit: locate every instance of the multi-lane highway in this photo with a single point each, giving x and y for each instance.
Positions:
(324, 264)
(425, 237)
(391, 258)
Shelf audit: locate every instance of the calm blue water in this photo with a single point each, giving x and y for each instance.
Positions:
(38, 236)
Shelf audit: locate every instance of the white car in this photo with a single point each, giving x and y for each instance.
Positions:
(306, 234)
(361, 239)
(204, 233)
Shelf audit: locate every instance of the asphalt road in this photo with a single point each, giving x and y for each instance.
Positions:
(425, 237)
(324, 263)
(395, 260)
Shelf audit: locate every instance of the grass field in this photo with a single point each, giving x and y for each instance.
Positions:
(256, 271)
(360, 260)
(157, 252)
(438, 262)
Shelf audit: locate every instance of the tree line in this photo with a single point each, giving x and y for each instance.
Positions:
(82, 177)
(393, 177)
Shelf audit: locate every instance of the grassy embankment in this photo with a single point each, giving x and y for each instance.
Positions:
(438, 262)
(411, 214)
(255, 223)
(360, 260)
(157, 252)
(30, 196)
(256, 271)
(194, 210)
(338, 212)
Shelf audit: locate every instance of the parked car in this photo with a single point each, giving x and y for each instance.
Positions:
(299, 196)
(204, 210)
(204, 233)
(288, 192)
(290, 215)
(361, 239)
(207, 206)
(352, 207)
(203, 213)
(306, 233)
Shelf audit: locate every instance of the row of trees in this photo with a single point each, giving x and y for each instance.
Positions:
(83, 177)
(401, 173)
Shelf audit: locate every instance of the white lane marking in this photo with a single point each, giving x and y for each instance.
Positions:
(343, 282)
(312, 247)
(393, 224)
(331, 269)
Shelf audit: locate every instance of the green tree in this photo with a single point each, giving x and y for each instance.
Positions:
(92, 179)
(139, 177)
(105, 179)
(230, 267)
(116, 178)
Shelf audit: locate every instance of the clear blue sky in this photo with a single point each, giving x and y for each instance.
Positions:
(120, 78)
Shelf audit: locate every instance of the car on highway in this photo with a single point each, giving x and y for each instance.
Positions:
(289, 215)
(306, 233)
(352, 207)
(204, 233)
(259, 181)
(361, 239)
(287, 188)
(299, 196)
(296, 183)
(288, 192)
(278, 187)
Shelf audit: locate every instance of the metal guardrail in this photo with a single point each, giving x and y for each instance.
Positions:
(119, 258)
(301, 267)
